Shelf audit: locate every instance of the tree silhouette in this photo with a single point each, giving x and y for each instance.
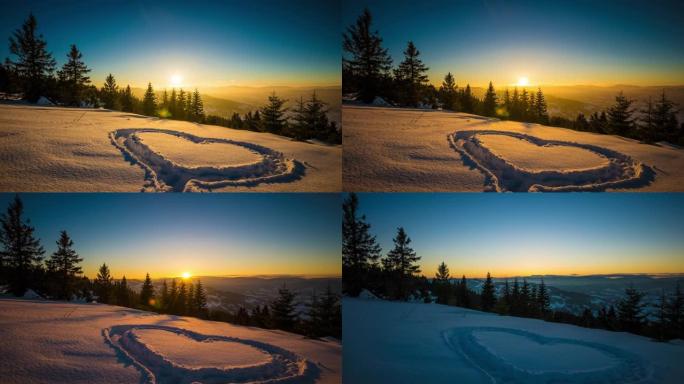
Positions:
(448, 93)
(64, 263)
(273, 115)
(103, 285)
(283, 310)
(401, 263)
(110, 94)
(369, 62)
(360, 250)
(72, 77)
(489, 103)
(620, 120)
(147, 292)
(488, 294)
(149, 101)
(410, 76)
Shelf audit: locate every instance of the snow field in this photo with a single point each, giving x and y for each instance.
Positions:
(63, 342)
(402, 342)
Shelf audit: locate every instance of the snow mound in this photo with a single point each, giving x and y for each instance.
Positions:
(164, 174)
(367, 295)
(591, 168)
(541, 359)
(44, 101)
(380, 102)
(173, 357)
(32, 295)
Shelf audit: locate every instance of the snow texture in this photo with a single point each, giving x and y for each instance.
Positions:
(412, 150)
(397, 342)
(58, 149)
(62, 342)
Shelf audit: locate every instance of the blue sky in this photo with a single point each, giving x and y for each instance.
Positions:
(208, 43)
(529, 233)
(215, 234)
(550, 42)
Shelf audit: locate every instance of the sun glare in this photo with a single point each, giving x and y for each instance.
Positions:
(186, 275)
(176, 79)
(523, 81)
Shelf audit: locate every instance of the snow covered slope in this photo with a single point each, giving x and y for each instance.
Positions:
(60, 342)
(392, 149)
(393, 342)
(77, 149)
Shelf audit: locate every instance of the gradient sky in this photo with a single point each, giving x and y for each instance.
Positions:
(204, 234)
(550, 42)
(209, 43)
(530, 233)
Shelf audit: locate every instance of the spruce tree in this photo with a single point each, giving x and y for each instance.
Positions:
(367, 62)
(181, 299)
(411, 77)
(540, 108)
(507, 103)
(630, 311)
(72, 78)
(525, 297)
(299, 129)
(165, 297)
(110, 93)
(489, 103)
(523, 105)
(174, 104)
(467, 104)
(665, 120)
(200, 300)
(150, 102)
(190, 308)
(488, 294)
(283, 310)
(21, 252)
(64, 262)
(441, 284)
(401, 263)
(127, 99)
(360, 250)
(147, 292)
(660, 311)
(122, 293)
(33, 64)
(462, 293)
(543, 300)
(273, 118)
(620, 121)
(316, 111)
(197, 107)
(674, 313)
(103, 285)
(515, 110)
(448, 93)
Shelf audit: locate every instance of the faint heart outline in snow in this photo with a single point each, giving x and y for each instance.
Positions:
(627, 368)
(164, 175)
(501, 175)
(283, 366)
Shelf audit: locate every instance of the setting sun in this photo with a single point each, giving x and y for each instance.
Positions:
(176, 79)
(523, 81)
(186, 275)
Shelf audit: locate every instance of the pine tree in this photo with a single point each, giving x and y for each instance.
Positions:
(165, 297)
(103, 285)
(401, 264)
(524, 301)
(300, 128)
(467, 104)
(369, 61)
(462, 293)
(33, 64)
(488, 296)
(122, 294)
(620, 120)
(273, 115)
(448, 93)
(173, 297)
(64, 262)
(507, 103)
(190, 301)
(442, 286)
(110, 93)
(200, 300)
(489, 104)
(197, 107)
(147, 292)
(174, 104)
(581, 123)
(630, 311)
(674, 313)
(360, 250)
(541, 109)
(543, 299)
(531, 112)
(127, 99)
(182, 299)
(283, 310)
(661, 317)
(21, 253)
(523, 105)
(150, 102)
(665, 120)
(72, 77)
(515, 111)
(411, 77)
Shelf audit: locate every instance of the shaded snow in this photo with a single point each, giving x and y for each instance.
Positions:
(394, 149)
(60, 342)
(410, 343)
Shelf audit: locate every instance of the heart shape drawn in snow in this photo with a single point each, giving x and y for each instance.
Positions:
(185, 162)
(168, 354)
(506, 355)
(576, 167)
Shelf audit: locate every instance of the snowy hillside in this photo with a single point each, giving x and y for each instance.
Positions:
(395, 342)
(392, 149)
(60, 342)
(76, 149)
